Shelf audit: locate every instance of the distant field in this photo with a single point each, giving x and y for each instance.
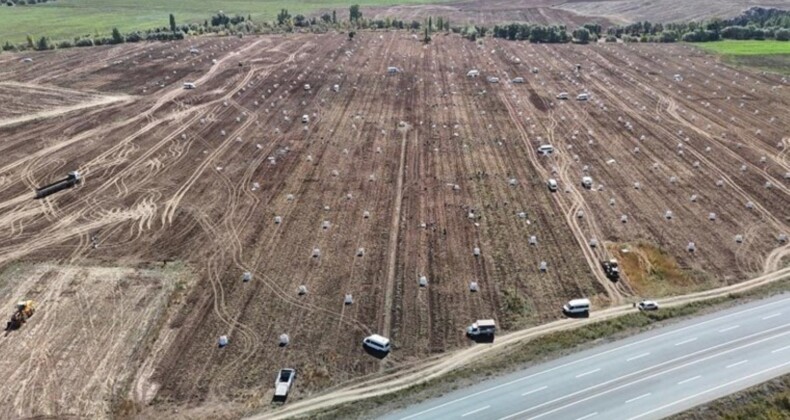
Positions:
(64, 19)
(729, 47)
(771, 56)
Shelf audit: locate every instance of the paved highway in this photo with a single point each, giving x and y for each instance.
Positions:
(647, 376)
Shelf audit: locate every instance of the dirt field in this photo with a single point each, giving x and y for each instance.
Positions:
(571, 13)
(195, 179)
(489, 12)
(666, 10)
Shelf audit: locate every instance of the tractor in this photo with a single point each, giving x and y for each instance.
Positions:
(24, 310)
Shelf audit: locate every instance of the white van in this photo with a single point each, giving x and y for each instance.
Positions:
(583, 97)
(472, 73)
(587, 182)
(482, 327)
(306, 86)
(393, 70)
(493, 79)
(545, 149)
(562, 95)
(518, 80)
(305, 118)
(577, 306)
(377, 342)
(552, 184)
(189, 85)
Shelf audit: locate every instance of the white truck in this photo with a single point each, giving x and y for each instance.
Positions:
(482, 327)
(285, 378)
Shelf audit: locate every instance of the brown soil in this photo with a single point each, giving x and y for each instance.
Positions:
(170, 173)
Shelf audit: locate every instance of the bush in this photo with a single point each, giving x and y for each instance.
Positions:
(134, 37)
(782, 35)
(65, 44)
(83, 42)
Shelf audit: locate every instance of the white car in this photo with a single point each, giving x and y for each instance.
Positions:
(647, 305)
(282, 385)
(562, 95)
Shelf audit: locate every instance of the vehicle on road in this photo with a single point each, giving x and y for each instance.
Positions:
(189, 85)
(583, 97)
(518, 80)
(305, 119)
(562, 95)
(282, 385)
(577, 306)
(587, 182)
(647, 305)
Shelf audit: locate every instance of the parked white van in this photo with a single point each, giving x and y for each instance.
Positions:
(583, 97)
(305, 118)
(545, 149)
(377, 342)
(577, 306)
(552, 184)
(587, 182)
(472, 73)
(518, 80)
(482, 327)
(562, 95)
(189, 85)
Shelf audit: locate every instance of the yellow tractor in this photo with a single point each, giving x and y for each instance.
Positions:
(24, 310)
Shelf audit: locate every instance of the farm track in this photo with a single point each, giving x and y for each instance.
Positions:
(195, 178)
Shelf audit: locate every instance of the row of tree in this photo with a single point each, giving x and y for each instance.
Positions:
(755, 23)
(24, 2)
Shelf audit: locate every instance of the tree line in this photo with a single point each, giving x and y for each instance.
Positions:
(755, 23)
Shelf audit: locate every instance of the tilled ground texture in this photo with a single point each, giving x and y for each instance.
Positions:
(394, 177)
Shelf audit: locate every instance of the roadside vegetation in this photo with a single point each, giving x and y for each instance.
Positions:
(768, 400)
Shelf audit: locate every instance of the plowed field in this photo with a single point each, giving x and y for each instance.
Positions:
(182, 189)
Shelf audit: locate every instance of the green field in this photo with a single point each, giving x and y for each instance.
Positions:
(773, 56)
(65, 19)
(731, 47)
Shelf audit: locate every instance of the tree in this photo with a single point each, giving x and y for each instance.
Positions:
(430, 24)
(427, 38)
(283, 17)
(42, 44)
(172, 23)
(334, 16)
(117, 38)
(582, 35)
(782, 35)
(300, 20)
(326, 17)
(354, 13)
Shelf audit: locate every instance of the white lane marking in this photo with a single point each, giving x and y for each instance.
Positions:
(584, 359)
(736, 364)
(781, 349)
(707, 350)
(534, 391)
(689, 380)
(638, 357)
(772, 316)
(647, 413)
(588, 416)
(587, 373)
(729, 328)
(638, 398)
(476, 411)
(686, 341)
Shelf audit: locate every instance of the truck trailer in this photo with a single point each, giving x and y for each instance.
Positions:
(69, 181)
